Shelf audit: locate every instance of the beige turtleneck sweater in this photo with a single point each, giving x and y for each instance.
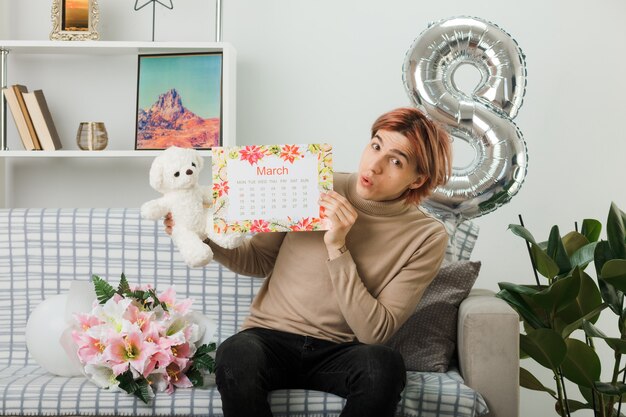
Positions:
(367, 293)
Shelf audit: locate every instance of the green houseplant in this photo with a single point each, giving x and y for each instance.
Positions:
(558, 315)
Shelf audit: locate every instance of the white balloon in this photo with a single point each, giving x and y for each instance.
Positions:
(45, 326)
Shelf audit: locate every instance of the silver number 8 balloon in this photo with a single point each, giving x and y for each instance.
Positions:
(484, 119)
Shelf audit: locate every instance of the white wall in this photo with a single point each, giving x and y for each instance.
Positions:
(323, 70)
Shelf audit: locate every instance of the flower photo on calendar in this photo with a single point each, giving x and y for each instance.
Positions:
(270, 188)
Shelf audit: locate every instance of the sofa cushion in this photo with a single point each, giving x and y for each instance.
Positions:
(427, 340)
(463, 237)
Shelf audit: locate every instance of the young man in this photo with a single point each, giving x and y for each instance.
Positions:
(331, 298)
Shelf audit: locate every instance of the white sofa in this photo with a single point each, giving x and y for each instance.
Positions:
(43, 250)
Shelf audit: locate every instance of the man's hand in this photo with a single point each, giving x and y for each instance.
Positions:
(342, 216)
(168, 222)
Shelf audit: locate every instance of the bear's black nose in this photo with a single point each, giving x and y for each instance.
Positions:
(189, 172)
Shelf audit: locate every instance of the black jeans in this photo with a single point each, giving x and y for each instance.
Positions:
(255, 361)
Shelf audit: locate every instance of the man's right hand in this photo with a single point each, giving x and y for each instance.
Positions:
(168, 222)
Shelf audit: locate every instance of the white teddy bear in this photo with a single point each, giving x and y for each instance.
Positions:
(174, 173)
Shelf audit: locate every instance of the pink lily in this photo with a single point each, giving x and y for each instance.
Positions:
(176, 378)
(129, 351)
(181, 354)
(141, 318)
(169, 298)
(87, 321)
(90, 349)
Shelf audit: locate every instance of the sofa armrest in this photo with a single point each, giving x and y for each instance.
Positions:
(488, 348)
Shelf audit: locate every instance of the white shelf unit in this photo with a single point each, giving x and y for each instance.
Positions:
(99, 51)
(90, 48)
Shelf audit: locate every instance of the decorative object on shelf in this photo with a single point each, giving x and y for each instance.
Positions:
(92, 136)
(75, 20)
(154, 2)
(179, 101)
(483, 118)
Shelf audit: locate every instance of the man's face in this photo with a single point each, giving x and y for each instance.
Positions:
(387, 168)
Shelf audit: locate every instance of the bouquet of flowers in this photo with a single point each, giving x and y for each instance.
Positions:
(139, 341)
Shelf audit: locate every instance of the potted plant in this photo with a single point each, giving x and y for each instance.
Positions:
(568, 300)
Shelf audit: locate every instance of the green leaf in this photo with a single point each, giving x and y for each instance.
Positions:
(557, 251)
(541, 261)
(602, 255)
(522, 232)
(592, 317)
(144, 392)
(545, 346)
(104, 291)
(202, 360)
(618, 345)
(204, 349)
(593, 331)
(614, 272)
(581, 364)
(573, 405)
(139, 387)
(606, 388)
(528, 381)
(560, 294)
(615, 231)
(583, 256)
(591, 229)
(525, 311)
(195, 376)
(521, 289)
(587, 300)
(573, 241)
(545, 265)
(587, 394)
(123, 288)
(612, 297)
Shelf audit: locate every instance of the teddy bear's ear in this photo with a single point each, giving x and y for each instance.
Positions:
(156, 174)
(199, 160)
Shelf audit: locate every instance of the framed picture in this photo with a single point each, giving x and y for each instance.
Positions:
(179, 101)
(74, 20)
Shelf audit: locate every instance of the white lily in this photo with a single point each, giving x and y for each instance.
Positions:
(102, 376)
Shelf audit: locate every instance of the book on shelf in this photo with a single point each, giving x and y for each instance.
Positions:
(19, 118)
(42, 120)
(19, 93)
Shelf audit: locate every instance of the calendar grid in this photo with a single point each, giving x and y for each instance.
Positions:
(267, 188)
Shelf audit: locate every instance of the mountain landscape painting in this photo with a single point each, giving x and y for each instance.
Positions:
(179, 101)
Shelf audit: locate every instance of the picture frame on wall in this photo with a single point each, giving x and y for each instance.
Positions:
(179, 101)
(75, 20)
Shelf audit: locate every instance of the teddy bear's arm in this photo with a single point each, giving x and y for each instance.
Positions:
(207, 196)
(154, 209)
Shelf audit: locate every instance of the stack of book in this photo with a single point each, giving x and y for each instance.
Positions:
(32, 118)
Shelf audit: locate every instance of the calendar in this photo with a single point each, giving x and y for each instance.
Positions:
(270, 188)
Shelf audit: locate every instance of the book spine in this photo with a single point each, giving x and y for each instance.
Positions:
(19, 91)
(18, 117)
(42, 120)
